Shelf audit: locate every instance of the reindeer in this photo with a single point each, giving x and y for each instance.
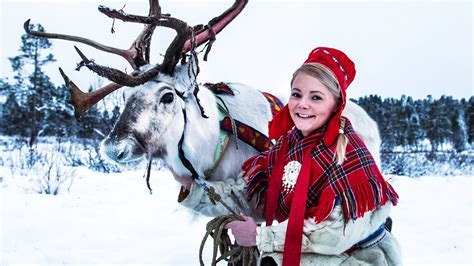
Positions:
(170, 116)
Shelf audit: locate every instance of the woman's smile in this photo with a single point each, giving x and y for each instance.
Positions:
(304, 116)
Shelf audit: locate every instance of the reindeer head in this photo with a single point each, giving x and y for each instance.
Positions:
(155, 102)
(152, 118)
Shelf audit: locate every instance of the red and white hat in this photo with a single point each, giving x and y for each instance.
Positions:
(343, 69)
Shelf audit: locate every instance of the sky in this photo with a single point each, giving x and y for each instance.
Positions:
(414, 48)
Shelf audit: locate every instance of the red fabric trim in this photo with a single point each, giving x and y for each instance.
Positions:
(274, 184)
(294, 230)
(280, 124)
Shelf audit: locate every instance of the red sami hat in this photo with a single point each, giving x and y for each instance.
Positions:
(343, 69)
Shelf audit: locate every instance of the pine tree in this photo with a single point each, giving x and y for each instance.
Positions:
(59, 120)
(412, 125)
(439, 129)
(469, 118)
(416, 119)
(36, 94)
(13, 119)
(403, 123)
(459, 129)
(388, 129)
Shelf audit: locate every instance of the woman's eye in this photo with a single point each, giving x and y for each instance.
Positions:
(295, 94)
(167, 98)
(316, 98)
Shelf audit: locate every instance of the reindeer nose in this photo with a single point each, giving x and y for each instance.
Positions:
(119, 150)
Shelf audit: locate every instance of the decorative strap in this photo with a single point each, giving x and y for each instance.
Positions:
(247, 134)
(218, 154)
(219, 88)
(372, 240)
(182, 156)
(275, 104)
(241, 130)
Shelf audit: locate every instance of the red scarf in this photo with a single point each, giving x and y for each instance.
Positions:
(357, 184)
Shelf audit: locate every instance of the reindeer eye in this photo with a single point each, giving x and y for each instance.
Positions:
(167, 98)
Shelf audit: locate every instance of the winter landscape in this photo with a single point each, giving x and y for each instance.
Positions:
(111, 218)
(63, 203)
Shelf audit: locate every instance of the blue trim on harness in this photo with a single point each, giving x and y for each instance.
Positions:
(372, 240)
(372, 236)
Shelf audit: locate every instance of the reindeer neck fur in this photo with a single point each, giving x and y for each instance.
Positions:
(201, 135)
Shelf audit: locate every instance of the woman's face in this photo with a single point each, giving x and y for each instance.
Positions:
(311, 104)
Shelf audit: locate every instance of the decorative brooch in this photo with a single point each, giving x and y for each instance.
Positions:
(290, 175)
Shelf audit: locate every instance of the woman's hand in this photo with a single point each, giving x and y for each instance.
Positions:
(245, 232)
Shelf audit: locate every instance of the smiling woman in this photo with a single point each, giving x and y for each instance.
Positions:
(311, 103)
(319, 181)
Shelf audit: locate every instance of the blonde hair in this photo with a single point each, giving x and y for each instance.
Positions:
(328, 79)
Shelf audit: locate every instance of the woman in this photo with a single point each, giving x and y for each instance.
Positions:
(319, 181)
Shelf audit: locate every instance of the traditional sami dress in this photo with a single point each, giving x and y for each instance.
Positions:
(323, 208)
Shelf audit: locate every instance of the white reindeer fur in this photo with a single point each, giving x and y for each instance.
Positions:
(201, 137)
(365, 127)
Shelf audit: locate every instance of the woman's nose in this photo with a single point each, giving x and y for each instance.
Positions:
(303, 104)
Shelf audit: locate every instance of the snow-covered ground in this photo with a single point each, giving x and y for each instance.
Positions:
(112, 219)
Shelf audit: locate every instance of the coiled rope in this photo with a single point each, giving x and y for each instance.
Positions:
(232, 253)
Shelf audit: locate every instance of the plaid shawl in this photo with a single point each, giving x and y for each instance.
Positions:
(357, 184)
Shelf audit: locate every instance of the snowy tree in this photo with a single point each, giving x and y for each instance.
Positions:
(459, 130)
(436, 123)
(59, 120)
(411, 123)
(389, 127)
(469, 118)
(13, 117)
(417, 133)
(372, 104)
(33, 87)
(406, 122)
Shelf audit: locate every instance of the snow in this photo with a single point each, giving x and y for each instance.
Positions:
(112, 219)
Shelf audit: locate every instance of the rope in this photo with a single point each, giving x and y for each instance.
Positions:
(232, 253)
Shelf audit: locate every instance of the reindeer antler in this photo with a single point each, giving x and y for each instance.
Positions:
(139, 52)
(214, 26)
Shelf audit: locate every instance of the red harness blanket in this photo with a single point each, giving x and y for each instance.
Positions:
(246, 133)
